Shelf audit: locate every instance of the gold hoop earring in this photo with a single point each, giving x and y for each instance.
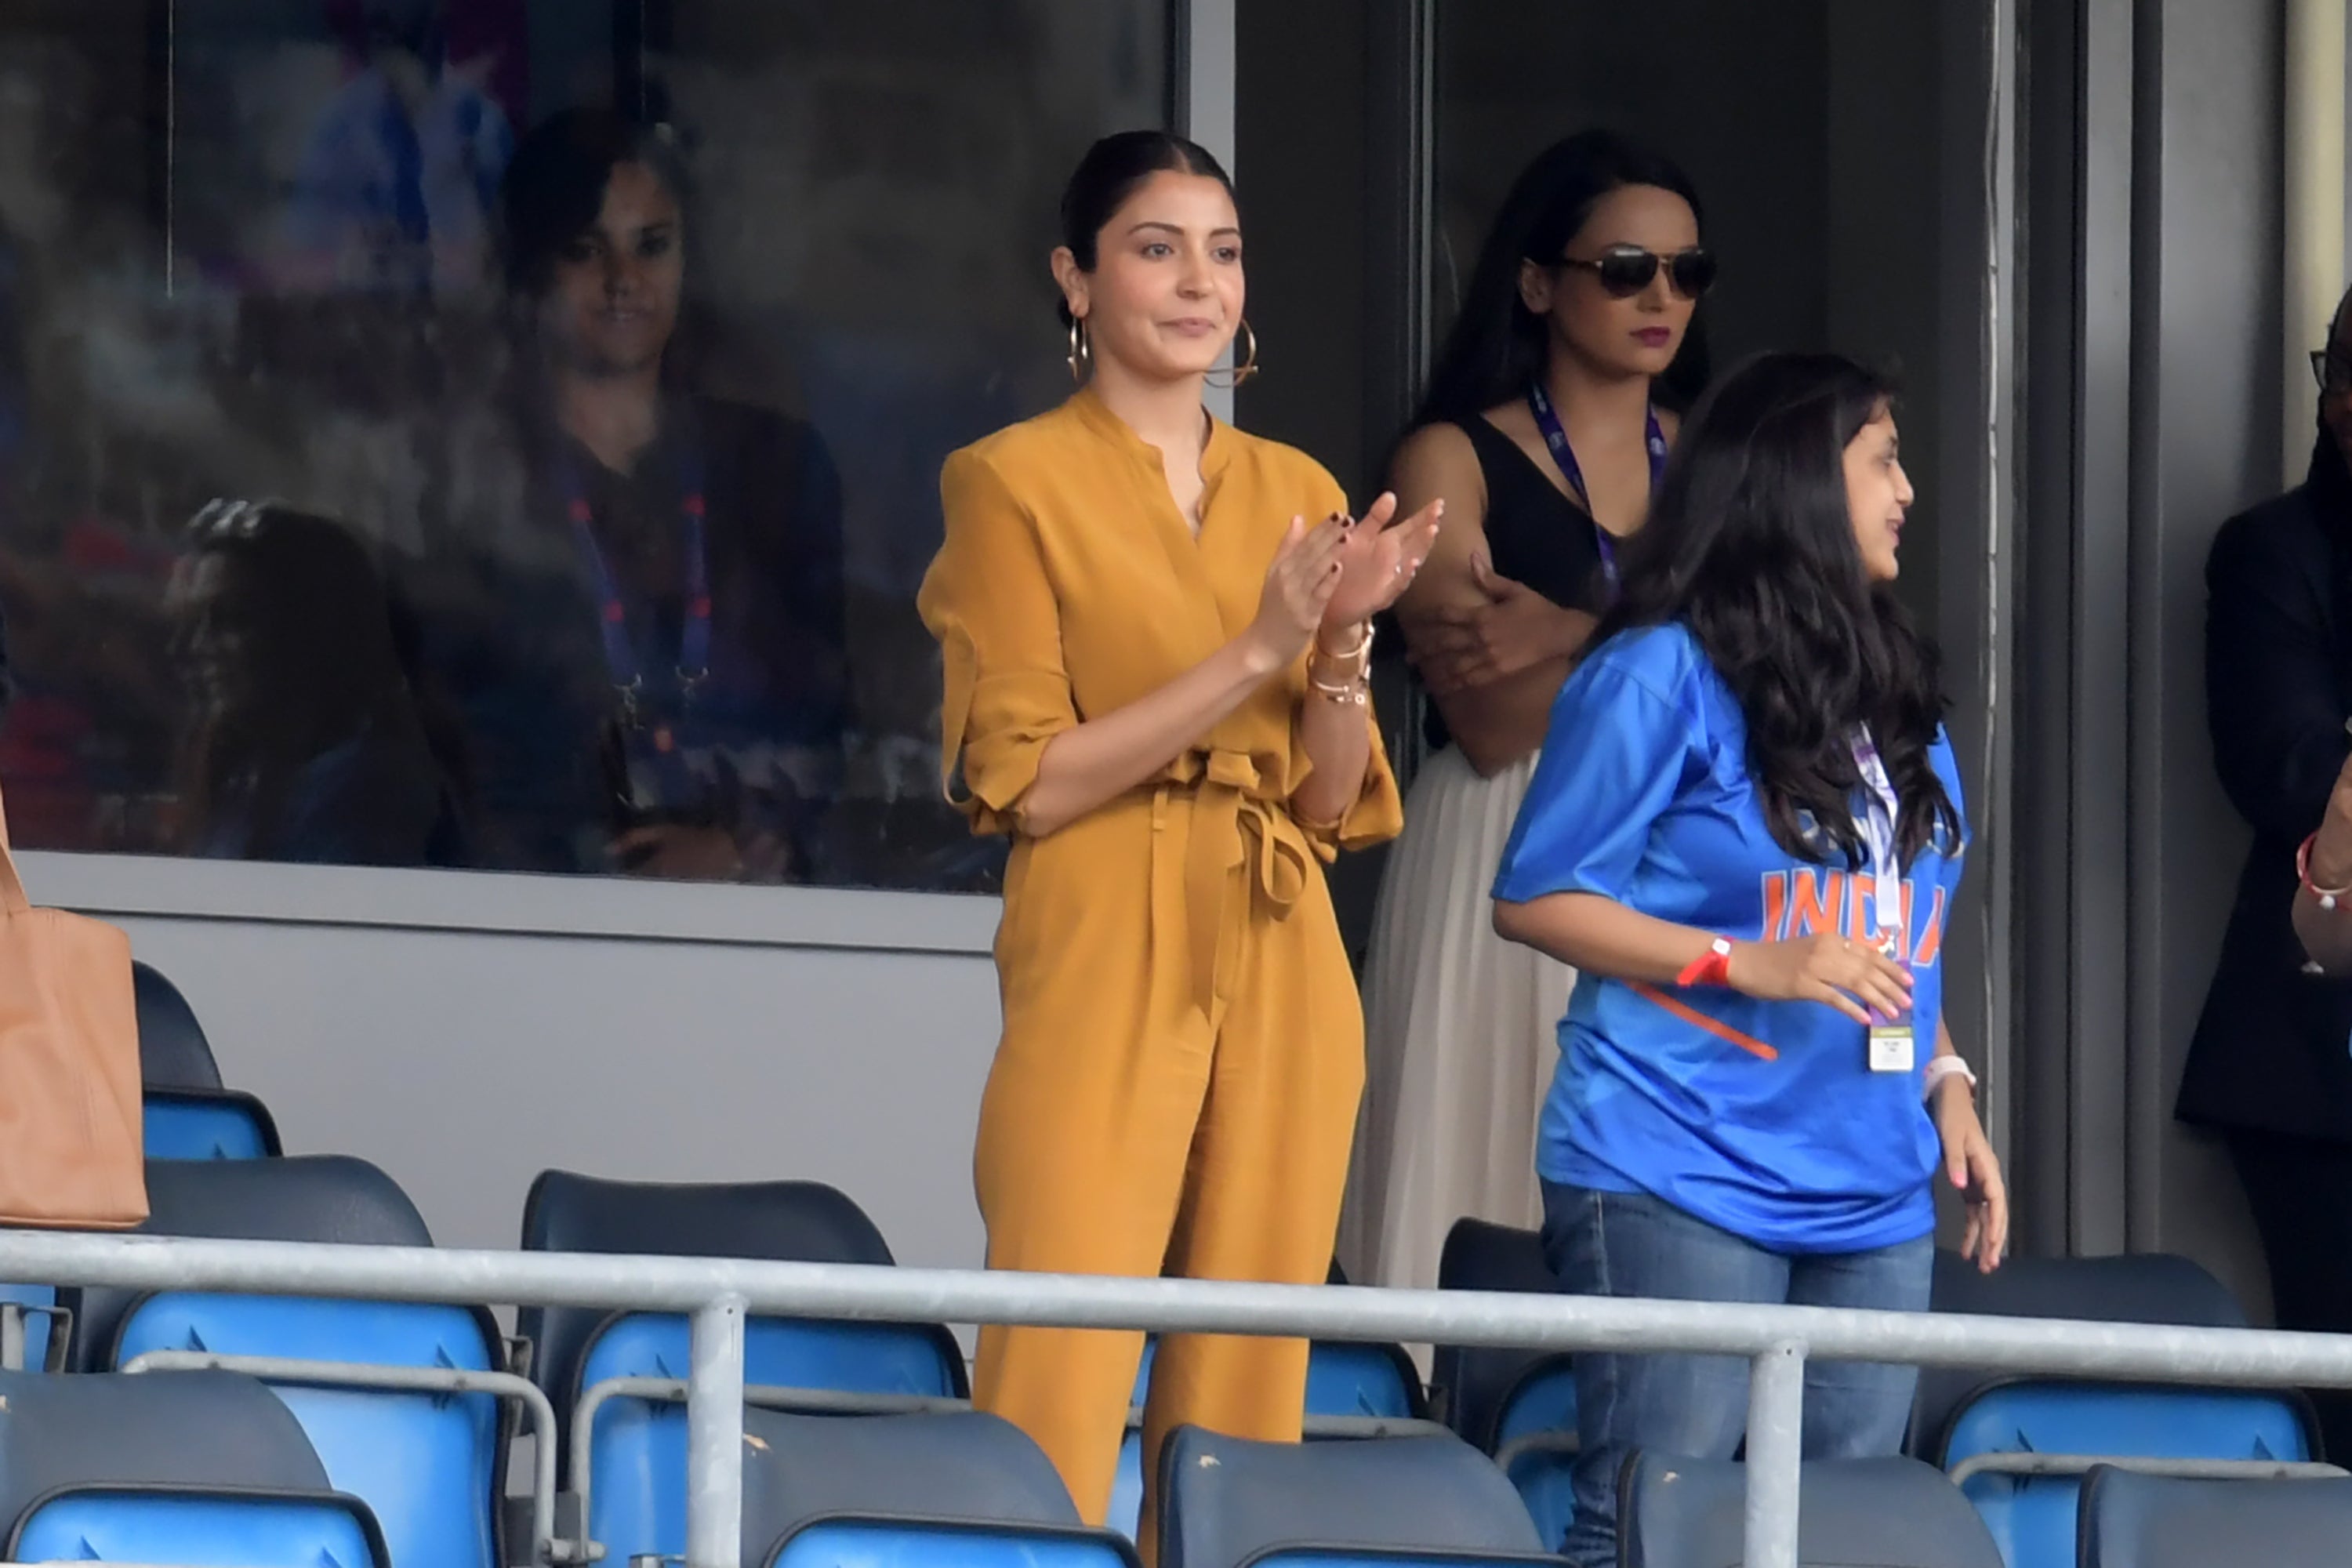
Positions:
(1082, 352)
(1248, 366)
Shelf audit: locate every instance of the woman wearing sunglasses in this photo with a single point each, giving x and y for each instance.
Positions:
(1547, 420)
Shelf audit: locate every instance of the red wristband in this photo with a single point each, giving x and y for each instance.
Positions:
(1712, 968)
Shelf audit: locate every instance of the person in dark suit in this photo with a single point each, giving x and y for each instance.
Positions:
(2271, 1067)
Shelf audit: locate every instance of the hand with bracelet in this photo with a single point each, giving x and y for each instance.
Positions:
(2322, 867)
(1852, 976)
(1370, 563)
(1376, 562)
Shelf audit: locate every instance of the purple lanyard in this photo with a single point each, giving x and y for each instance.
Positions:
(1881, 818)
(612, 614)
(1556, 439)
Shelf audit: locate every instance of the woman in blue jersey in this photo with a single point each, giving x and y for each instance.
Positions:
(1746, 834)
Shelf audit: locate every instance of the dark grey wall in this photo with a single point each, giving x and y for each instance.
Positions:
(2153, 413)
(1299, 159)
(2210, 448)
(1739, 94)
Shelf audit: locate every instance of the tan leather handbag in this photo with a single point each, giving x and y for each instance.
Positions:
(70, 1131)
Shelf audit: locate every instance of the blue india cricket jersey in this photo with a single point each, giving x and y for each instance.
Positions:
(1760, 1117)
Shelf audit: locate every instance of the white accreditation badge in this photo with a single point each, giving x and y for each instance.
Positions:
(1893, 1044)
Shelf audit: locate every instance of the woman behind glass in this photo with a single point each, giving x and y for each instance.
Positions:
(1155, 634)
(1543, 434)
(655, 685)
(1746, 834)
(303, 739)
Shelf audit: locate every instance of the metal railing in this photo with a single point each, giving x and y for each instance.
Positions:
(721, 1293)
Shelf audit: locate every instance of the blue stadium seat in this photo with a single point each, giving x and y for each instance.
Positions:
(2163, 1521)
(2032, 1517)
(1391, 1501)
(1476, 1385)
(892, 1491)
(207, 1124)
(637, 1498)
(103, 1524)
(1372, 1381)
(1966, 1416)
(431, 1465)
(1375, 1381)
(1516, 1405)
(200, 1469)
(172, 1050)
(1889, 1513)
(2143, 1288)
(189, 1115)
(636, 1505)
(1535, 1440)
(318, 1197)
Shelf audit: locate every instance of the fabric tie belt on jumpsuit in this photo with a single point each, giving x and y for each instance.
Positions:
(1236, 818)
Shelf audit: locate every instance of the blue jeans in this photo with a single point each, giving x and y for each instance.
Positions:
(1630, 1244)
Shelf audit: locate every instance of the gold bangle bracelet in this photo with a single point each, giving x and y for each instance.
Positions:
(1356, 690)
(1360, 654)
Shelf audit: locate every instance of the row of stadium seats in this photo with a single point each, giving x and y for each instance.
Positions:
(430, 1463)
(2017, 1448)
(207, 1469)
(204, 1469)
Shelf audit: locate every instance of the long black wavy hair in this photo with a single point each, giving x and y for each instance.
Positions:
(1750, 544)
(1496, 345)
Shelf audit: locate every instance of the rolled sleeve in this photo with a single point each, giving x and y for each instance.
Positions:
(1374, 816)
(1611, 764)
(988, 600)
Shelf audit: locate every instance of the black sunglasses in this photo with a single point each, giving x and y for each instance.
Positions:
(1625, 270)
(2332, 369)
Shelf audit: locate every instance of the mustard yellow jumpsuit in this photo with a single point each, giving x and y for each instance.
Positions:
(1177, 1084)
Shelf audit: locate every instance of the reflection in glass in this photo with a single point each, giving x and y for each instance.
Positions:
(399, 171)
(663, 634)
(302, 740)
(551, 307)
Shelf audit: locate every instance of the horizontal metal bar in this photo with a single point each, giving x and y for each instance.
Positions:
(546, 1545)
(1356, 1428)
(1977, 1465)
(2135, 1352)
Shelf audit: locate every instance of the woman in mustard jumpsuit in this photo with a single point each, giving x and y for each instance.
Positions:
(1155, 633)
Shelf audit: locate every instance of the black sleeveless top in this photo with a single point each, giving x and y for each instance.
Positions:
(1534, 535)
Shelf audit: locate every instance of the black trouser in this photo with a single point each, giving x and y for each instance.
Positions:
(2301, 1191)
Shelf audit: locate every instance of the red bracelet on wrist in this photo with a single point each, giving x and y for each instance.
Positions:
(1711, 968)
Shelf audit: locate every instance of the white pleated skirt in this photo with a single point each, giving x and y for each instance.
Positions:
(1460, 1037)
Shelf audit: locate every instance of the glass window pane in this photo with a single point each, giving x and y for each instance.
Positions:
(505, 433)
